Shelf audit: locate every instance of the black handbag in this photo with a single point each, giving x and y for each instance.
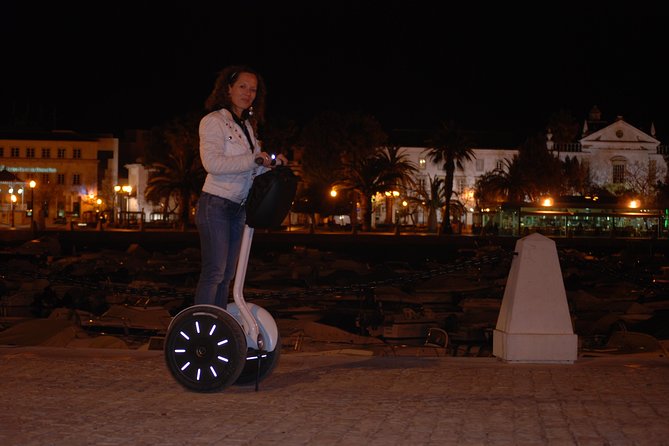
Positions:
(270, 198)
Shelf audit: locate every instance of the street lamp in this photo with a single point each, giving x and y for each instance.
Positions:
(32, 185)
(123, 202)
(12, 215)
(128, 191)
(117, 188)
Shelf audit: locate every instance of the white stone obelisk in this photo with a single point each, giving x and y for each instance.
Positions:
(534, 324)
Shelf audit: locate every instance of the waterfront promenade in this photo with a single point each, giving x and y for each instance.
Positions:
(70, 397)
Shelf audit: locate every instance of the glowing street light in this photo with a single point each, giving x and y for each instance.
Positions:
(13, 198)
(32, 185)
(128, 191)
(547, 202)
(117, 189)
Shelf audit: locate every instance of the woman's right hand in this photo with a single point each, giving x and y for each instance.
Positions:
(264, 159)
(267, 160)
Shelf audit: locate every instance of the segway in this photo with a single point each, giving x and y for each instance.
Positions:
(208, 348)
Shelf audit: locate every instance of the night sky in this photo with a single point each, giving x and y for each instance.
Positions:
(108, 66)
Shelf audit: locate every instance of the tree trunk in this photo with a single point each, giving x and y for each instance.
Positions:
(448, 186)
(389, 210)
(365, 206)
(432, 220)
(354, 216)
(185, 211)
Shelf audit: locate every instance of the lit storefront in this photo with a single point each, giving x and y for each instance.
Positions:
(577, 217)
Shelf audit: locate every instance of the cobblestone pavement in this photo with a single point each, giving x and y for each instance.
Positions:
(58, 396)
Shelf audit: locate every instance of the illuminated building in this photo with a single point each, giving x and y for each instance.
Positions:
(74, 173)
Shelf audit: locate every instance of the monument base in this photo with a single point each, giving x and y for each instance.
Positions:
(535, 347)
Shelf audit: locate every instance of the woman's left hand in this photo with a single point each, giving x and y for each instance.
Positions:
(281, 160)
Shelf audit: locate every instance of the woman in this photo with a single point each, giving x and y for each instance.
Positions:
(232, 157)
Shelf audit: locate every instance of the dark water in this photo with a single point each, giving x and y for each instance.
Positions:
(289, 271)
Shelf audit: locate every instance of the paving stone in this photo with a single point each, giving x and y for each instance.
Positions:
(62, 396)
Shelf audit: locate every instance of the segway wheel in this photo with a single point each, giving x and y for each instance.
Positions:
(205, 348)
(268, 361)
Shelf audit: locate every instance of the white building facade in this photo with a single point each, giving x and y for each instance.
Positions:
(618, 155)
(464, 181)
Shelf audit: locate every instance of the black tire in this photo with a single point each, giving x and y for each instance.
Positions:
(268, 362)
(205, 348)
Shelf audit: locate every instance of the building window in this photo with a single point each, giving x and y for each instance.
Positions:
(422, 163)
(76, 179)
(2, 152)
(460, 184)
(618, 173)
(60, 178)
(76, 154)
(479, 165)
(421, 183)
(45, 178)
(30, 152)
(499, 165)
(61, 152)
(15, 152)
(46, 152)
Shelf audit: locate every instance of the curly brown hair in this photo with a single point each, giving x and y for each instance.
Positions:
(219, 97)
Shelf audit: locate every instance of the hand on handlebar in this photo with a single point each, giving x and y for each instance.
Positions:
(281, 160)
(267, 160)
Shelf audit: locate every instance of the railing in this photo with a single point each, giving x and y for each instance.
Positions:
(662, 149)
(567, 147)
(18, 207)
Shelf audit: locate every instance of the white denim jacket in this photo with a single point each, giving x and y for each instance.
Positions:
(226, 156)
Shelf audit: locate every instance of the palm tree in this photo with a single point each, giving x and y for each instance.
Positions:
(450, 147)
(321, 143)
(180, 177)
(507, 183)
(431, 198)
(336, 146)
(387, 169)
(399, 174)
(492, 188)
(359, 162)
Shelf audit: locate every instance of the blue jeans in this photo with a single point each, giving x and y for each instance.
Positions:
(220, 223)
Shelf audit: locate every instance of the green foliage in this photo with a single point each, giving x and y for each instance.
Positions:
(449, 146)
(563, 127)
(341, 150)
(433, 198)
(179, 178)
